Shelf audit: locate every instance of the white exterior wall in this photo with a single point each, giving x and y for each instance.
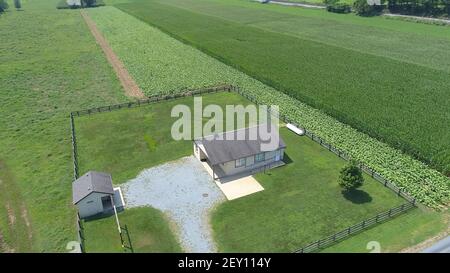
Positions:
(73, 2)
(198, 153)
(91, 204)
(230, 167)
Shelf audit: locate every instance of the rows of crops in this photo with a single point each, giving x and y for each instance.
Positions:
(388, 38)
(162, 64)
(403, 104)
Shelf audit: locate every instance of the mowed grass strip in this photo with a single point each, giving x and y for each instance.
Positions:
(403, 104)
(50, 65)
(301, 202)
(148, 231)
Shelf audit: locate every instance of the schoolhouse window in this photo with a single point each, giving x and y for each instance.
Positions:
(259, 157)
(240, 162)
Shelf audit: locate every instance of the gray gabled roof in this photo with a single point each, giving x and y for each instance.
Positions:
(89, 183)
(225, 147)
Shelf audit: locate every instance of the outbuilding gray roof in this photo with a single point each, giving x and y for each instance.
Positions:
(91, 182)
(225, 147)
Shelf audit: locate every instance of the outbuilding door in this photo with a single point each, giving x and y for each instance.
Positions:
(106, 202)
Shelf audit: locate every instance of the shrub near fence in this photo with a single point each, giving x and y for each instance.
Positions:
(80, 233)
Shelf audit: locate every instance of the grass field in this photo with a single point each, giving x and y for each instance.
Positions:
(384, 84)
(50, 65)
(301, 203)
(142, 137)
(147, 227)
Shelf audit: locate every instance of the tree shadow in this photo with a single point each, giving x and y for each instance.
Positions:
(357, 196)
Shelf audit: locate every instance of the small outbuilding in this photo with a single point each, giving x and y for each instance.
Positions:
(93, 194)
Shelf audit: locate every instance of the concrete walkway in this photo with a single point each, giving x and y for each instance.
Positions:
(236, 186)
(239, 187)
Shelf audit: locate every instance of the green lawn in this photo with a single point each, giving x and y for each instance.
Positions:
(148, 230)
(50, 65)
(301, 203)
(125, 142)
(389, 80)
(397, 234)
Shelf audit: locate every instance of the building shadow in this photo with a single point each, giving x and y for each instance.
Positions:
(287, 159)
(105, 214)
(357, 196)
(126, 233)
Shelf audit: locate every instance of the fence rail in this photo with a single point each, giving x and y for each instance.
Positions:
(80, 233)
(381, 217)
(154, 99)
(74, 148)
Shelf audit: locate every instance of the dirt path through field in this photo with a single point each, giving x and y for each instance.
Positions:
(128, 83)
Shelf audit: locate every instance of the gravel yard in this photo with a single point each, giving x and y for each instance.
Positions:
(185, 192)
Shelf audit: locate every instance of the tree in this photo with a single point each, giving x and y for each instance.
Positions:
(17, 4)
(3, 5)
(351, 177)
(447, 6)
